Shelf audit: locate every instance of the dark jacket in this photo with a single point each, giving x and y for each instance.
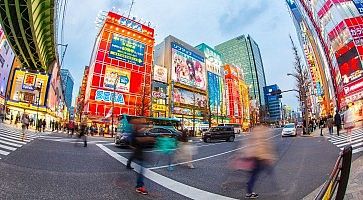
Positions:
(337, 120)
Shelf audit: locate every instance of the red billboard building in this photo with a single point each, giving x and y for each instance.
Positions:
(234, 108)
(120, 67)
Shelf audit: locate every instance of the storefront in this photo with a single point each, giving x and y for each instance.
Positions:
(159, 92)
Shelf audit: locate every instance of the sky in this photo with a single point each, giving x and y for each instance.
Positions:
(268, 22)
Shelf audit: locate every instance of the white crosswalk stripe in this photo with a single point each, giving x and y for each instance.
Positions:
(11, 139)
(355, 140)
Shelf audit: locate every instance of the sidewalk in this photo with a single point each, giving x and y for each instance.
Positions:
(355, 184)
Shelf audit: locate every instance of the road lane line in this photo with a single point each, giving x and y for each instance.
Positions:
(5, 153)
(346, 139)
(348, 142)
(14, 137)
(7, 147)
(178, 187)
(357, 150)
(11, 144)
(204, 158)
(15, 141)
(18, 134)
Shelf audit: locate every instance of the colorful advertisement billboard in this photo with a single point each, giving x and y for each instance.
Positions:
(118, 76)
(188, 67)
(359, 5)
(215, 92)
(127, 50)
(213, 60)
(107, 96)
(160, 74)
(189, 98)
(29, 81)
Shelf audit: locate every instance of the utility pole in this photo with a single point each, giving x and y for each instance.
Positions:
(39, 93)
(132, 4)
(113, 103)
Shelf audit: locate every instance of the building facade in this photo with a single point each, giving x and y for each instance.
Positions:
(7, 57)
(216, 87)
(120, 69)
(273, 104)
(244, 52)
(186, 96)
(330, 34)
(67, 84)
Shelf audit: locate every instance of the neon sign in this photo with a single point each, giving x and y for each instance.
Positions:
(107, 96)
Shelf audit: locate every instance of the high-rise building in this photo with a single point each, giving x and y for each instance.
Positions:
(119, 78)
(273, 103)
(244, 53)
(330, 35)
(67, 84)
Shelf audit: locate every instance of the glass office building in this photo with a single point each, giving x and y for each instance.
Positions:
(67, 84)
(244, 53)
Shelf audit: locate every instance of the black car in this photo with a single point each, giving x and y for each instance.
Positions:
(124, 139)
(219, 133)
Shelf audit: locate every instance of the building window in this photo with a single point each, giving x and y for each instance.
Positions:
(6, 47)
(2, 61)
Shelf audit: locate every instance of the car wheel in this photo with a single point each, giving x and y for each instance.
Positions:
(231, 139)
(207, 140)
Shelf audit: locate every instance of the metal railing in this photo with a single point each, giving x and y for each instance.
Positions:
(336, 185)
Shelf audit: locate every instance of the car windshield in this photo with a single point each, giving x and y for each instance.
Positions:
(214, 129)
(289, 126)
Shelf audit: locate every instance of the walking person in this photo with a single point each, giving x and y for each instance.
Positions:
(166, 144)
(321, 126)
(262, 154)
(330, 124)
(186, 151)
(71, 128)
(44, 124)
(349, 121)
(82, 133)
(24, 124)
(338, 121)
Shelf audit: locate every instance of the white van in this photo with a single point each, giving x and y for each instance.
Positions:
(237, 127)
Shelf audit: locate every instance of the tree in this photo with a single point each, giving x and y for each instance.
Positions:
(301, 76)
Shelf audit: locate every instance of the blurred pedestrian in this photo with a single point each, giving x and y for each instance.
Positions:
(25, 123)
(44, 124)
(166, 145)
(186, 150)
(338, 121)
(260, 155)
(82, 133)
(70, 128)
(349, 121)
(138, 144)
(330, 124)
(321, 126)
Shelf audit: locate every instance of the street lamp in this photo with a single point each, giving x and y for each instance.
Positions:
(113, 102)
(39, 89)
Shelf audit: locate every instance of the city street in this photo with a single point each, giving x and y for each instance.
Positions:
(55, 166)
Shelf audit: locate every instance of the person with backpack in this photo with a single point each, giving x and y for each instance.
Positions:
(338, 121)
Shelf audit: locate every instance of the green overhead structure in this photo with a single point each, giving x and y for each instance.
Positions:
(29, 26)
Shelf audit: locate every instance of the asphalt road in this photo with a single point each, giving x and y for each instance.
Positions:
(62, 169)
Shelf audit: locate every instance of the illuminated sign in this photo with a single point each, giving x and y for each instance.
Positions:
(359, 5)
(188, 67)
(107, 96)
(127, 50)
(118, 76)
(131, 24)
(29, 81)
(159, 95)
(159, 107)
(160, 74)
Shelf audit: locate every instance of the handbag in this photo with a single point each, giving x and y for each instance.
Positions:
(242, 163)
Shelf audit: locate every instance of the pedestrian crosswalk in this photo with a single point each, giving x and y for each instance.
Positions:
(12, 139)
(355, 140)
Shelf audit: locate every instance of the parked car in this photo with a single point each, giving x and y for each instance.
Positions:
(124, 138)
(289, 130)
(219, 133)
(299, 125)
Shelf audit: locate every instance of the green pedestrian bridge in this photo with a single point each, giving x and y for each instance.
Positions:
(29, 26)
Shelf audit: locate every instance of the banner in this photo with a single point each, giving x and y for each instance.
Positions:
(160, 74)
(359, 5)
(122, 76)
(29, 81)
(189, 98)
(107, 96)
(127, 50)
(188, 67)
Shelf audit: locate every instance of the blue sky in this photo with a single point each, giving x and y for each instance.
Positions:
(208, 21)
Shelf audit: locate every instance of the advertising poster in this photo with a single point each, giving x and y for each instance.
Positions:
(127, 50)
(188, 67)
(186, 97)
(107, 96)
(215, 95)
(213, 60)
(122, 76)
(359, 5)
(160, 74)
(29, 81)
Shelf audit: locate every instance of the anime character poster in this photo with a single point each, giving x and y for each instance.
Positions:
(188, 67)
(189, 98)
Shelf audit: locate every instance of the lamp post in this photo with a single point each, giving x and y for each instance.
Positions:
(38, 102)
(113, 103)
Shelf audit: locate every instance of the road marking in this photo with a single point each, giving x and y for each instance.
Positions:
(357, 150)
(348, 142)
(204, 158)
(13, 141)
(19, 134)
(345, 140)
(4, 152)
(180, 188)
(7, 147)
(14, 137)
(11, 144)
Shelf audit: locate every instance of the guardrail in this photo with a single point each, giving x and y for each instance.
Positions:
(336, 185)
